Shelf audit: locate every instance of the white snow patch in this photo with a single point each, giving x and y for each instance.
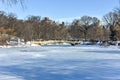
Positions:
(10, 77)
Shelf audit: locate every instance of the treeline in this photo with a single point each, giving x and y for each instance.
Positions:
(35, 27)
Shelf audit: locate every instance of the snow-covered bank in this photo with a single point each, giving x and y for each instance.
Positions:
(61, 45)
(28, 44)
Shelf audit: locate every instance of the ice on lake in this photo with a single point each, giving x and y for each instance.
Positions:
(60, 63)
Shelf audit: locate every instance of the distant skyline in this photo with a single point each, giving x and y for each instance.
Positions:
(62, 10)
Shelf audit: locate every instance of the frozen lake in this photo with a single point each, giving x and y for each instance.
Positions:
(60, 63)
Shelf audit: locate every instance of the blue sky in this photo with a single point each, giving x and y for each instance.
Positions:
(62, 9)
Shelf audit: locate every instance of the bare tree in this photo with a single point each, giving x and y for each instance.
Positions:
(75, 30)
(86, 21)
(11, 2)
(34, 21)
(111, 19)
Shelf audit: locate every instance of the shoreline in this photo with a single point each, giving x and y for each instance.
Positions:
(60, 45)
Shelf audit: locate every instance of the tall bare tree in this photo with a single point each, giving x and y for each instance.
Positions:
(75, 30)
(86, 21)
(110, 19)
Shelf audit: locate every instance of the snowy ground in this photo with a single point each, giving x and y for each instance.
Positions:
(60, 63)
